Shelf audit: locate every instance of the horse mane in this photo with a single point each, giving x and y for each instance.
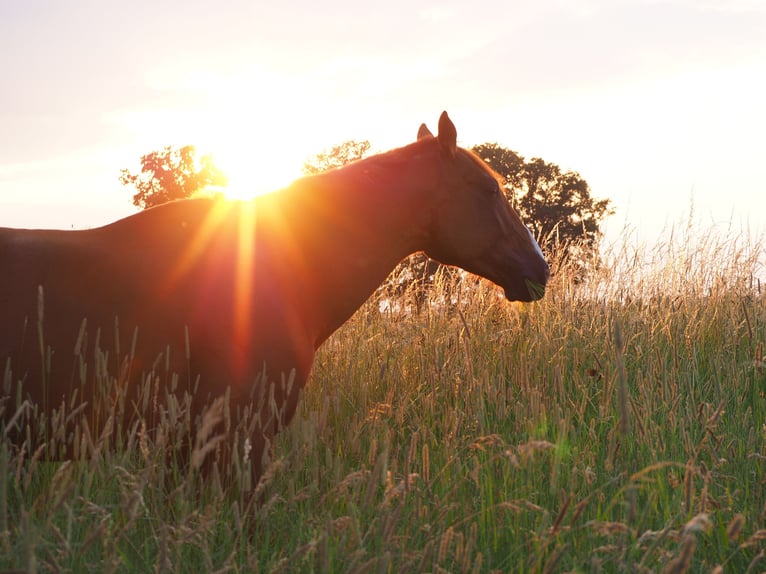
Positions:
(483, 165)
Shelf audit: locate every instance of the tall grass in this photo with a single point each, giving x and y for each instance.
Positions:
(617, 425)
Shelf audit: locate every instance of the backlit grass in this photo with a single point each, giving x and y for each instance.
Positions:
(616, 425)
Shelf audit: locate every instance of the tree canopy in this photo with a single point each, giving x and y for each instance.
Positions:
(337, 156)
(555, 204)
(172, 173)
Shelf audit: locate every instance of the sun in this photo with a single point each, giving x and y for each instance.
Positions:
(254, 123)
(254, 170)
(250, 132)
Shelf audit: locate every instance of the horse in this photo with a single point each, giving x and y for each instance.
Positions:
(233, 298)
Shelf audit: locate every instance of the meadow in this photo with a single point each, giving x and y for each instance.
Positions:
(618, 425)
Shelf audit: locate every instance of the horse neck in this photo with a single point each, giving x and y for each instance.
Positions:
(348, 229)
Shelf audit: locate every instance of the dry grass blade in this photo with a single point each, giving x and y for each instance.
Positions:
(734, 529)
(682, 562)
(205, 443)
(23, 409)
(622, 381)
(700, 523)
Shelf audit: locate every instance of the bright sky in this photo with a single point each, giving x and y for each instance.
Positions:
(659, 104)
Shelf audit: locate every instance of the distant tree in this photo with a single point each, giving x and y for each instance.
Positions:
(556, 205)
(337, 156)
(172, 173)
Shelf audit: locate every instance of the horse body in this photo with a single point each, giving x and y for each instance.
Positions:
(250, 288)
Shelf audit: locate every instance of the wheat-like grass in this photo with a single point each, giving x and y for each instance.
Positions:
(615, 425)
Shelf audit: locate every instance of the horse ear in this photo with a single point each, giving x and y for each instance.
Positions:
(447, 135)
(424, 132)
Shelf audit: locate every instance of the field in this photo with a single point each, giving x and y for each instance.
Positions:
(618, 425)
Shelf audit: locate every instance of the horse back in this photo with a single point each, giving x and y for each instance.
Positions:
(105, 282)
(170, 278)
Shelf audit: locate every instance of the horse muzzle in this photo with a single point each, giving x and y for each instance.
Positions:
(527, 283)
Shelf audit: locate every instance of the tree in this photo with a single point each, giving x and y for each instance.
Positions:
(172, 173)
(337, 156)
(556, 205)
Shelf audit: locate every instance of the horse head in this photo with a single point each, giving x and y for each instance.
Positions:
(473, 225)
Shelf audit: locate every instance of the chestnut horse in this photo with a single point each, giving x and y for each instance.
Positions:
(236, 297)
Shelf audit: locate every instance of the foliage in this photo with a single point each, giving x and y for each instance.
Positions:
(614, 426)
(337, 156)
(556, 205)
(172, 173)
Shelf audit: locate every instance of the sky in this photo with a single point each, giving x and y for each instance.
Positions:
(658, 104)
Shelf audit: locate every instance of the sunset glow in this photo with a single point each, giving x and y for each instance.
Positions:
(198, 244)
(244, 285)
(252, 172)
(245, 127)
(246, 132)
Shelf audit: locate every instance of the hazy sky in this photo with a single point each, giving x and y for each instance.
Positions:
(658, 104)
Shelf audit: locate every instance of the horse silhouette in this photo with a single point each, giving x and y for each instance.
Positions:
(235, 297)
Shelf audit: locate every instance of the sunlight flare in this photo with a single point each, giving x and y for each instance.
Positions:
(196, 247)
(244, 283)
(253, 169)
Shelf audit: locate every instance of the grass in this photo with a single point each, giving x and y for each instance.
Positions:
(618, 425)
